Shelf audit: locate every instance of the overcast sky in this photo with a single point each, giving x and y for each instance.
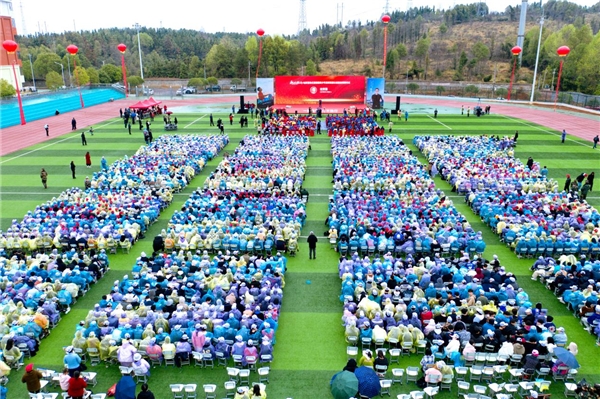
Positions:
(274, 16)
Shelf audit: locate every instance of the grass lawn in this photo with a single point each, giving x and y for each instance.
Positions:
(310, 346)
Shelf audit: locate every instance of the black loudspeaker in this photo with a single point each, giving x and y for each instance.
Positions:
(397, 109)
(243, 106)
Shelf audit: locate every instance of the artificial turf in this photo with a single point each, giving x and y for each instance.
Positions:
(310, 346)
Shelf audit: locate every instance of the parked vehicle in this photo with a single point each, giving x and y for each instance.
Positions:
(185, 90)
(212, 89)
(236, 88)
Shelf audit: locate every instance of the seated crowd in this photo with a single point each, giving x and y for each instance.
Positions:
(385, 200)
(518, 202)
(122, 201)
(576, 283)
(37, 283)
(185, 304)
(263, 164)
(345, 125)
(239, 221)
(446, 308)
(280, 122)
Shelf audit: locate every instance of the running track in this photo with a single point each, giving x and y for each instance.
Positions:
(16, 138)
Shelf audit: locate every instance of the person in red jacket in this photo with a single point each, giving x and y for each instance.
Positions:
(77, 386)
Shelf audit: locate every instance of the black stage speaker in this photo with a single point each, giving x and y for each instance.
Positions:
(243, 109)
(397, 109)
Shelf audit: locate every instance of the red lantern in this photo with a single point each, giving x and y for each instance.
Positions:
(563, 51)
(72, 49)
(385, 19)
(260, 32)
(516, 50)
(10, 46)
(122, 47)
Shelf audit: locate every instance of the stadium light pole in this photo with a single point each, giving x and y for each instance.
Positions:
(260, 33)
(72, 49)
(515, 52)
(137, 27)
(537, 59)
(11, 47)
(562, 52)
(385, 19)
(62, 70)
(122, 48)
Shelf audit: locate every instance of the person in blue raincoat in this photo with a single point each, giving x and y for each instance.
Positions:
(125, 387)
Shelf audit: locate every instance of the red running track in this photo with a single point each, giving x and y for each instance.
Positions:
(16, 138)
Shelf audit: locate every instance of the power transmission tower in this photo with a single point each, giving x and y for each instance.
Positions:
(386, 9)
(23, 25)
(302, 17)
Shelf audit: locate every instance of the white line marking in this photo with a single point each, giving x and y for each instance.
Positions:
(191, 123)
(543, 130)
(48, 145)
(448, 127)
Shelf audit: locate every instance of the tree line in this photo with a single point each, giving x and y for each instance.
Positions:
(420, 43)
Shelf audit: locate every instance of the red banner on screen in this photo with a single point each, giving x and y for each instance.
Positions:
(327, 89)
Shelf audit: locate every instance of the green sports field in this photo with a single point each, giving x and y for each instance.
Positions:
(310, 346)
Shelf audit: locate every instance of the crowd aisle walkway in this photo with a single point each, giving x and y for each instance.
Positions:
(308, 340)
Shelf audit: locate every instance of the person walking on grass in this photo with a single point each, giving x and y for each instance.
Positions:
(596, 139)
(312, 245)
(73, 169)
(83, 139)
(32, 378)
(145, 393)
(46, 128)
(88, 160)
(563, 136)
(44, 177)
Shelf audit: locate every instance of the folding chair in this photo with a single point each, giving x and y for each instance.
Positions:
(463, 387)
(177, 391)
(570, 389)
(480, 389)
(210, 390)
(394, 355)
(197, 356)
(461, 373)
(94, 356)
(446, 382)
(230, 387)
(207, 360)
(381, 370)
(412, 374)
(352, 352)
(516, 375)
(244, 376)
(263, 374)
(233, 373)
(385, 387)
(169, 357)
(190, 391)
(397, 375)
(431, 391)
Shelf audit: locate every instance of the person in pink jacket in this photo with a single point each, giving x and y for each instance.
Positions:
(125, 354)
(153, 349)
(199, 337)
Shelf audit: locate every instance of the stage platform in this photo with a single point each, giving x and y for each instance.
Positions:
(328, 108)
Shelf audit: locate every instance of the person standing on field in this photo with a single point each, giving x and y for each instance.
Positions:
(73, 169)
(44, 177)
(312, 245)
